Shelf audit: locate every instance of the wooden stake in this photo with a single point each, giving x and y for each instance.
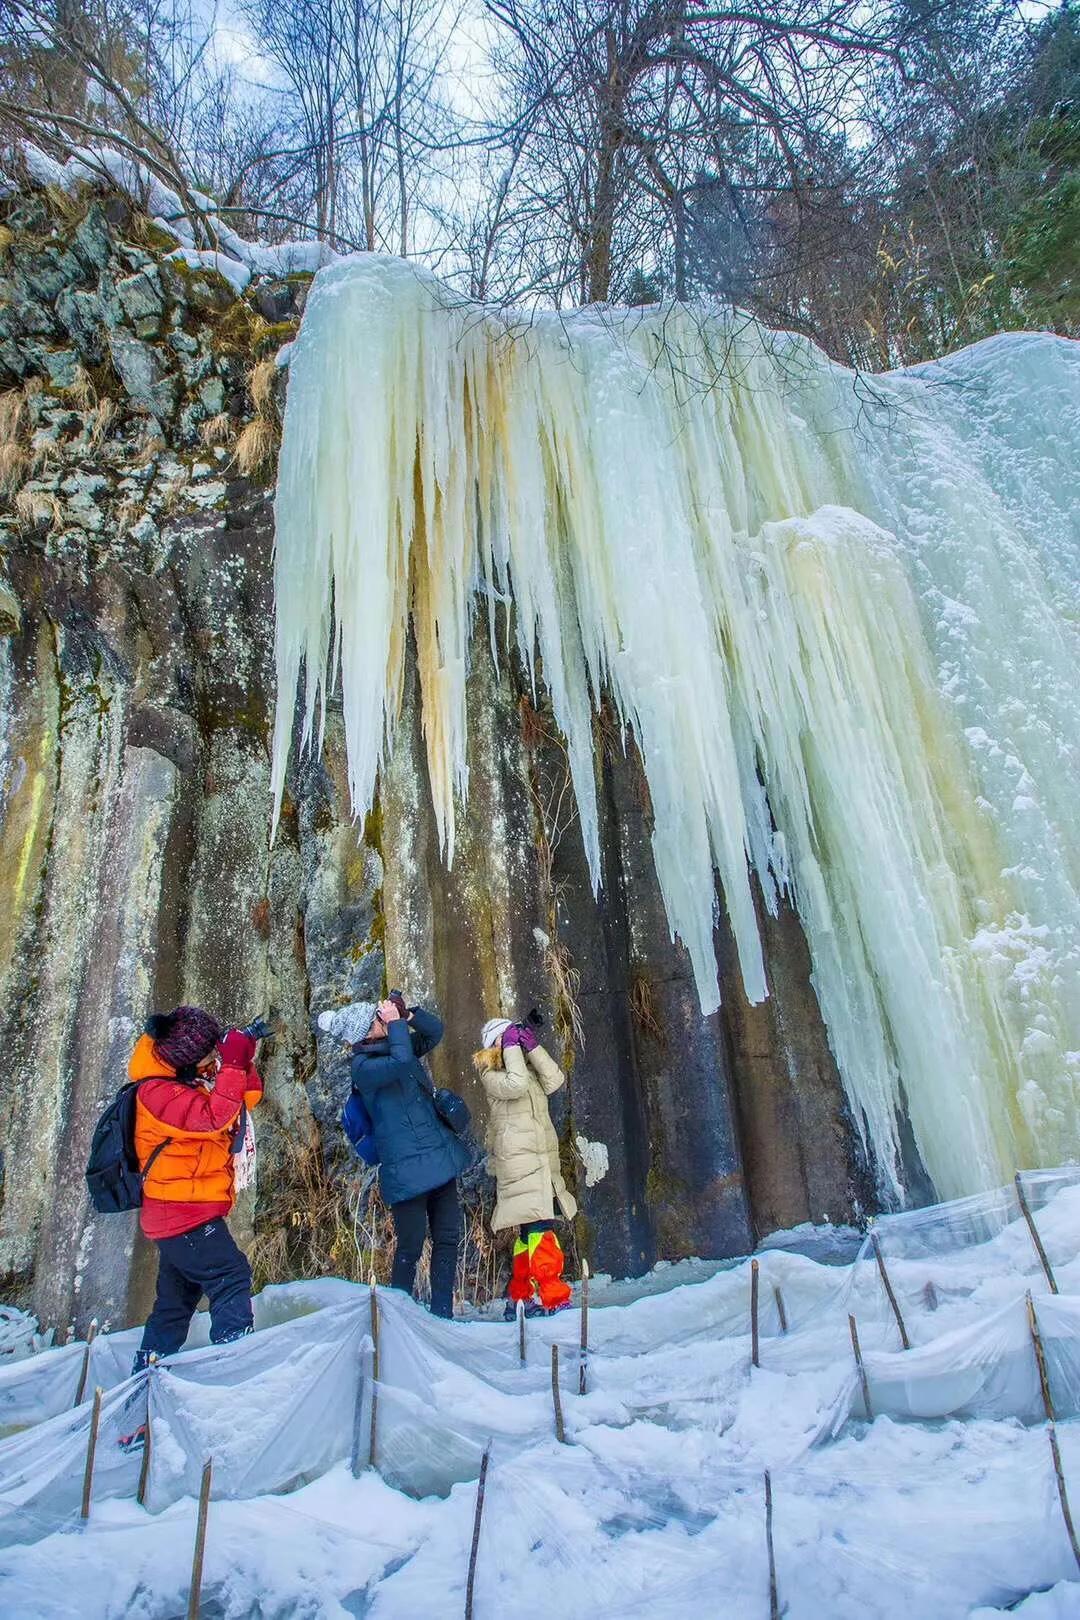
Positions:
(1051, 1429)
(754, 1346)
(862, 1369)
(774, 1605)
(930, 1296)
(556, 1396)
(521, 1330)
(880, 1258)
(583, 1371)
(475, 1548)
(91, 1448)
(1040, 1358)
(780, 1311)
(374, 1372)
(91, 1335)
(195, 1594)
(144, 1470)
(1034, 1230)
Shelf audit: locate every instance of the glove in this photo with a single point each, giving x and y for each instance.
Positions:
(520, 1035)
(238, 1049)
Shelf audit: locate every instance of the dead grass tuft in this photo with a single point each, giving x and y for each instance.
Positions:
(261, 382)
(105, 414)
(81, 394)
(12, 415)
(14, 466)
(256, 448)
(643, 1009)
(218, 430)
(37, 508)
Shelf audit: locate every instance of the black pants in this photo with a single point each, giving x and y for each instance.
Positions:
(441, 1210)
(204, 1261)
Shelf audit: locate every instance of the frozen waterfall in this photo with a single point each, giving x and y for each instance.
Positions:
(840, 613)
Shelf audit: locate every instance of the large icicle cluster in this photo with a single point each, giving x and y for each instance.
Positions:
(839, 613)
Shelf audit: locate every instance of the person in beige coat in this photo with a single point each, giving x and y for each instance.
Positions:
(518, 1077)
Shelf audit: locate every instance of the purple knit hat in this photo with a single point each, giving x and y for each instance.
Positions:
(185, 1036)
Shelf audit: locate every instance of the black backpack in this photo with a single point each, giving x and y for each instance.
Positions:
(113, 1177)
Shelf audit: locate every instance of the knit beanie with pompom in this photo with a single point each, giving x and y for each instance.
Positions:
(349, 1024)
(493, 1031)
(185, 1036)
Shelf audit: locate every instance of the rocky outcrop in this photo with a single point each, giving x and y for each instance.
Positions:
(137, 692)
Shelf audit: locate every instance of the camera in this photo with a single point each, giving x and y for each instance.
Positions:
(258, 1029)
(534, 1018)
(399, 1002)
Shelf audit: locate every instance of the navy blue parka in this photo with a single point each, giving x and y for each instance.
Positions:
(417, 1152)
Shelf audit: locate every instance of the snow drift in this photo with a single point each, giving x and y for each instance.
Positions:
(655, 1502)
(840, 615)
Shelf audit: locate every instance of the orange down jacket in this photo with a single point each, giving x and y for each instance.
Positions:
(193, 1126)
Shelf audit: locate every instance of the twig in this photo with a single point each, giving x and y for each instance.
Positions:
(195, 1594)
(475, 1548)
(774, 1605)
(862, 1369)
(91, 1448)
(880, 1258)
(90, 1337)
(754, 1345)
(521, 1330)
(780, 1311)
(583, 1371)
(556, 1396)
(1033, 1229)
(1051, 1428)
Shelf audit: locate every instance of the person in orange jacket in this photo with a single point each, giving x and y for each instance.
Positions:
(195, 1083)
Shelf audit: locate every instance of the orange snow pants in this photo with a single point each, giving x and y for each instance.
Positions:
(538, 1263)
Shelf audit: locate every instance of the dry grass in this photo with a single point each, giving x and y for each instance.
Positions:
(303, 1222)
(105, 415)
(256, 448)
(217, 430)
(320, 1219)
(643, 1009)
(12, 415)
(150, 448)
(81, 393)
(7, 236)
(565, 985)
(128, 513)
(14, 466)
(261, 382)
(36, 508)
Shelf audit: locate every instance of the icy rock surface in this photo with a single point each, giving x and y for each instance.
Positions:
(840, 614)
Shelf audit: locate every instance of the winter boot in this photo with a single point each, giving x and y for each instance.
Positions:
(546, 1264)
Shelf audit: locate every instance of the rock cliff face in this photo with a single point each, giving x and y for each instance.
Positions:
(136, 694)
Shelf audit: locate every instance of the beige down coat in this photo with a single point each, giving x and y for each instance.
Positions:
(522, 1146)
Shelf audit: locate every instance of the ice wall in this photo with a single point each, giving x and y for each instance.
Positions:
(840, 614)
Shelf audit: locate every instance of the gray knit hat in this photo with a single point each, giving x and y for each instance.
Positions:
(348, 1024)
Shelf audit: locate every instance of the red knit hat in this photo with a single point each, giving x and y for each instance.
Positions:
(185, 1036)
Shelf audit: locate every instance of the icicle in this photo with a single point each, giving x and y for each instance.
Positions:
(840, 619)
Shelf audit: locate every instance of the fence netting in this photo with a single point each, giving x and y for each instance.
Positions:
(661, 1474)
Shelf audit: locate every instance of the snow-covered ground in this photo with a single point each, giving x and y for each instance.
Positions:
(944, 1505)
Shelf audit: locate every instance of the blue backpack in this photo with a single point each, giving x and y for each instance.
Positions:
(356, 1123)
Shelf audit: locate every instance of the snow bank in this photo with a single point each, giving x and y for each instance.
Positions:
(840, 614)
(654, 1504)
